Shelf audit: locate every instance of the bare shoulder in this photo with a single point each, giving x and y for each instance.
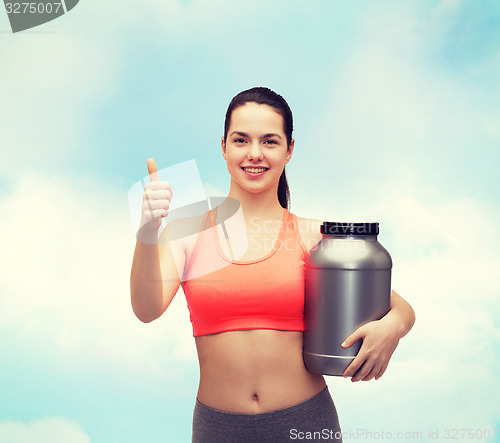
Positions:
(309, 230)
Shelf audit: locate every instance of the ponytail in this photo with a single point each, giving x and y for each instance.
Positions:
(284, 192)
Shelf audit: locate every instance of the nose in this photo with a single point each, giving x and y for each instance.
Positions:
(254, 152)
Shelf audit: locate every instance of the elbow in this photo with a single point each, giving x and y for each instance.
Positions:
(144, 308)
(144, 316)
(410, 318)
(411, 315)
(145, 319)
(410, 321)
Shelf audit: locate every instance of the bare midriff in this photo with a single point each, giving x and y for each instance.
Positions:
(254, 371)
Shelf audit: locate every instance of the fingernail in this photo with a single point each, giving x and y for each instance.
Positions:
(344, 344)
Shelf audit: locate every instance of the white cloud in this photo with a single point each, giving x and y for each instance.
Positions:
(49, 430)
(66, 261)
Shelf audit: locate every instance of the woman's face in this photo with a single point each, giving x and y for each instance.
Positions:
(256, 139)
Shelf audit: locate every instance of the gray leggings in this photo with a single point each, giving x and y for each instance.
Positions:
(312, 420)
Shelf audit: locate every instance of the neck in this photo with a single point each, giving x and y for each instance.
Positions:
(262, 204)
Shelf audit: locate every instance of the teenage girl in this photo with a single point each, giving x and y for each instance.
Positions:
(243, 279)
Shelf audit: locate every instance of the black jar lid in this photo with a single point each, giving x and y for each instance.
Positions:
(349, 228)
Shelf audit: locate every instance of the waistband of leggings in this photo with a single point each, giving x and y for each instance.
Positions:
(315, 403)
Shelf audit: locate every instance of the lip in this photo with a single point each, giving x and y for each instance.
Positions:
(251, 174)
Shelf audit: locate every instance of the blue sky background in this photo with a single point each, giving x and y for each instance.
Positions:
(396, 112)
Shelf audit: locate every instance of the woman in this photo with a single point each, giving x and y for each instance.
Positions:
(247, 313)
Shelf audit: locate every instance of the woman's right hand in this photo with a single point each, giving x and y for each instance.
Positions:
(155, 201)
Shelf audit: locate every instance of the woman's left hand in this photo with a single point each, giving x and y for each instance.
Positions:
(380, 339)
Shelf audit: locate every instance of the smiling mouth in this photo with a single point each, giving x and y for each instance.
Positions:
(255, 170)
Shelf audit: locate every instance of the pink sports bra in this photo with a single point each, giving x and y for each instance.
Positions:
(268, 293)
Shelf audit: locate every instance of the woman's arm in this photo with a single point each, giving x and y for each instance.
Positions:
(156, 271)
(380, 339)
(402, 313)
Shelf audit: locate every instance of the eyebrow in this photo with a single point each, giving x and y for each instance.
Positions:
(243, 134)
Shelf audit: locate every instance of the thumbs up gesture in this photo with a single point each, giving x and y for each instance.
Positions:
(155, 201)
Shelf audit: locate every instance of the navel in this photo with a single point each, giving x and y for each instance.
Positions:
(255, 397)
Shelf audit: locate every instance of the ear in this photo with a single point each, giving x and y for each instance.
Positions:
(223, 146)
(290, 151)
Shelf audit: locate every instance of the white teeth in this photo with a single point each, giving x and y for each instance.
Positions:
(255, 169)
